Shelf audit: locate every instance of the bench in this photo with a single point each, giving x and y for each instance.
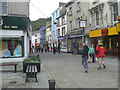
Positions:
(31, 72)
(11, 65)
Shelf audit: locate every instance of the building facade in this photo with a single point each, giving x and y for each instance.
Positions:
(54, 17)
(62, 29)
(15, 31)
(77, 25)
(36, 38)
(49, 34)
(43, 36)
(104, 24)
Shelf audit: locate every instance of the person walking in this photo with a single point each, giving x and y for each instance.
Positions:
(85, 57)
(91, 53)
(54, 49)
(59, 49)
(100, 50)
(48, 48)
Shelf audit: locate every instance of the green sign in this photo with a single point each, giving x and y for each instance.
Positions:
(13, 23)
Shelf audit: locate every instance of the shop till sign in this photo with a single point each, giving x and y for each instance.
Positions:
(104, 32)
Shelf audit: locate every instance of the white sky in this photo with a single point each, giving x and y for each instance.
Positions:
(45, 6)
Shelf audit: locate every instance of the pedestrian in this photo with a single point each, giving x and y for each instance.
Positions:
(85, 57)
(91, 53)
(39, 48)
(59, 49)
(54, 49)
(48, 48)
(100, 50)
(51, 49)
(42, 49)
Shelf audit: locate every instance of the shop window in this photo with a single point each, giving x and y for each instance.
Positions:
(4, 7)
(11, 47)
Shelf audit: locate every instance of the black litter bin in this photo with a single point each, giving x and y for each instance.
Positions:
(51, 84)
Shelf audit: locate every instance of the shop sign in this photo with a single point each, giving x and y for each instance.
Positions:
(104, 32)
(118, 27)
(82, 23)
(14, 23)
(96, 33)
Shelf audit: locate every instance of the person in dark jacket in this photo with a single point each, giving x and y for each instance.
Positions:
(85, 57)
(59, 49)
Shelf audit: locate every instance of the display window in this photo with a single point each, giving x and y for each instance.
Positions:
(11, 47)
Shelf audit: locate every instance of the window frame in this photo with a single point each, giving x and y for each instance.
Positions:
(1, 5)
(97, 18)
(78, 6)
(70, 25)
(114, 11)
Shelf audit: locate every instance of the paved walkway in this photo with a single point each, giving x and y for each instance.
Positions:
(68, 72)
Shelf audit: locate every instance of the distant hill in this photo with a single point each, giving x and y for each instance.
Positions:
(41, 22)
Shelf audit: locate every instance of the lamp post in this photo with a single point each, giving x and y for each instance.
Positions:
(83, 25)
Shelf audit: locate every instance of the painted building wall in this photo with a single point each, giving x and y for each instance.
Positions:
(43, 36)
(54, 15)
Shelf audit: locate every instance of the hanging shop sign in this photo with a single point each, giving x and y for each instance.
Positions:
(82, 23)
(14, 23)
(104, 32)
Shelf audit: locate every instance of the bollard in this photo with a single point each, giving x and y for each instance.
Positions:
(51, 84)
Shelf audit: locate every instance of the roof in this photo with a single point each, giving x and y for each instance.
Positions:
(69, 3)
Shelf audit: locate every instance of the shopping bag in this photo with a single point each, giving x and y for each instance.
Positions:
(89, 59)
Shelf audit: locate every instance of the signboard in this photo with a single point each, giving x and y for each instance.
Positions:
(14, 23)
(82, 23)
(118, 27)
(104, 32)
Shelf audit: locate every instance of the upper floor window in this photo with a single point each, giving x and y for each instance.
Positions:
(58, 32)
(115, 11)
(35, 40)
(63, 20)
(78, 22)
(63, 31)
(56, 13)
(58, 22)
(70, 25)
(70, 11)
(78, 6)
(35, 35)
(97, 18)
(4, 7)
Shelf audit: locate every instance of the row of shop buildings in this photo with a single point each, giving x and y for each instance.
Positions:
(77, 21)
(15, 31)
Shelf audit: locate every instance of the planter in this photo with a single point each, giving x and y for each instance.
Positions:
(37, 64)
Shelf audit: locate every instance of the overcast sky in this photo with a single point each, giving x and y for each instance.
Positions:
(43, 6)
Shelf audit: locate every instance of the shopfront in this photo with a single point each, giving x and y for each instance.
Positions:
(109, 36)
(63, 43)
(75, 44)
(14, 43)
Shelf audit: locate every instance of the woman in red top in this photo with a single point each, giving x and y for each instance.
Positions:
(100, 49)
